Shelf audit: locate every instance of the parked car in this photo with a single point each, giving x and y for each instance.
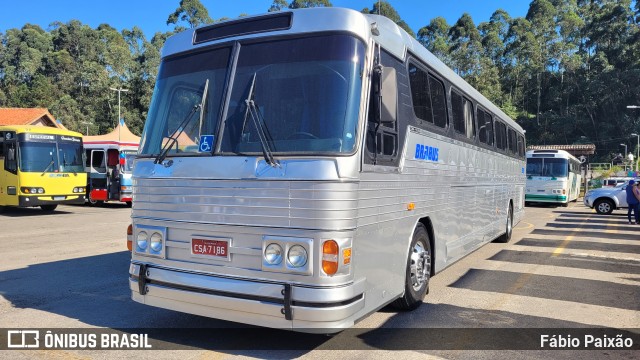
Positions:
(615, 181)
(607, 199)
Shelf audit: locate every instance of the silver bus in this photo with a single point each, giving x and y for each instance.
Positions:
(553, 176)
(303, 169)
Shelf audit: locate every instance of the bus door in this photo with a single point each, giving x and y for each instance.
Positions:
(9, 183)
(97, 176)
(113, 174)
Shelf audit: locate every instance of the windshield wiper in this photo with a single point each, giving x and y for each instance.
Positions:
(173, 138)
(261, 126)
(48, 166)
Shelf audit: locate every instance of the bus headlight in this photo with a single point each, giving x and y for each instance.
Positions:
(156, 242)
(78, 190)
(149, 240)
(273, 254)
(141, 240)
(297, 256)
(32, 190)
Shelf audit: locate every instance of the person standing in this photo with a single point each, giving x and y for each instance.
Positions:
(632, 202)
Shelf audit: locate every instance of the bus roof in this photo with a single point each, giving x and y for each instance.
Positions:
(550, 154)
(20, 129)
(317, 20)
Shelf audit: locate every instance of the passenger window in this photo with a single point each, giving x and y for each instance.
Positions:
(427, 93)
(485, 127)
(521, 151)
(456, 112)
(513, 148)
(438, 102)
(462, 114)
(419, 82)
(501, 135)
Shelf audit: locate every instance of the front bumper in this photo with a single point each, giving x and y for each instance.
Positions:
(126, 196)
(545, 198)
(588, 203)
(269, 304)
(27, 201)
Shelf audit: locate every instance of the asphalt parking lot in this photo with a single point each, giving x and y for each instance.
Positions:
(564, 268)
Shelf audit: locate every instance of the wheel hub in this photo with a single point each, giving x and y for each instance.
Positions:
(420, 266)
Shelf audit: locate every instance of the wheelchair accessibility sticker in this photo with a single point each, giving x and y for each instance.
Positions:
(206, 143)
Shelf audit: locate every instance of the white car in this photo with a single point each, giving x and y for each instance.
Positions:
(605, 200)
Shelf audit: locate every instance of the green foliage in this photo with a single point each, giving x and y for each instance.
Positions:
(299, 4)
(191, 12)
(384, 8)
(278, 5)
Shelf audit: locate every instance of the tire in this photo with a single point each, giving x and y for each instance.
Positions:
(96, 202)
(504, 238)
(604, 206)
(418, 271)
(129, 203)
(564, 204)
(48, 208)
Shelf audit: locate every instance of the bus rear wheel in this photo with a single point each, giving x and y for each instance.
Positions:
(418, 271)
(48, 208)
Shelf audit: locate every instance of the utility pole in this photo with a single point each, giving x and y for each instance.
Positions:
(119, 90)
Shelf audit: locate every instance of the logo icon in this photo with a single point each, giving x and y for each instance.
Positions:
(22, 339)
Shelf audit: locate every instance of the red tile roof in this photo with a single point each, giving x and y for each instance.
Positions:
(24, 116)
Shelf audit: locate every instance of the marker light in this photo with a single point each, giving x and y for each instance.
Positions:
(130, 237)
(330, 251)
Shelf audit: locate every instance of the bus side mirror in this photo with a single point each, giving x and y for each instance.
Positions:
(385, 86)
(389, 90)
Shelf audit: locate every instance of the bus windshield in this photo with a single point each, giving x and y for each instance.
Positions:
(550, 167)
(305, 95)
(51, 157)
(129, 157)
(305, 92)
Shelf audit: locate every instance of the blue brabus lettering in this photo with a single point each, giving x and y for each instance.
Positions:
(424, 152)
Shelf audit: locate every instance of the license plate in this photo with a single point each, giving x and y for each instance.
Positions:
(210, 248)
(59, 197)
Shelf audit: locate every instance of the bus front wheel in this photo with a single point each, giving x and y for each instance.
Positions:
(48, 208)
(418, 271)
(509, 228)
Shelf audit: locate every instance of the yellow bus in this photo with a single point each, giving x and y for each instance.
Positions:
(41, 166)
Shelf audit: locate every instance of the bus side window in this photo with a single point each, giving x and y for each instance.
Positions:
(462, 114)
(10, 161)
(1, 145)
(97, 162)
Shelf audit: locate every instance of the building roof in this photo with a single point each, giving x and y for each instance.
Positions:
(575, 150)
(120, 136)
(28, 116)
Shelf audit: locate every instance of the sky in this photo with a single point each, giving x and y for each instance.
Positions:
(151, 15)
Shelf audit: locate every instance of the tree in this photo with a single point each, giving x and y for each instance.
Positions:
(299, 4)
(192, 12)
(465, 48)
(435, 38)
(278, 5)
(385, 9)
